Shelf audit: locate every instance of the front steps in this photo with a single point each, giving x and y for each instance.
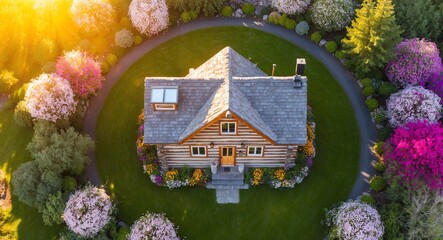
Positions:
(227, 184)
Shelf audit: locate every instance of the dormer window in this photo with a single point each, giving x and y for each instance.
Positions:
(164, 98)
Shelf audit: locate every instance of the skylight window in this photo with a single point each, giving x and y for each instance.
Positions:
(164, 95)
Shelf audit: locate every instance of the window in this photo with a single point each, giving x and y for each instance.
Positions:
(164, 106)
(228, 127)
(198, 151)
(164, 94)
(255, 151)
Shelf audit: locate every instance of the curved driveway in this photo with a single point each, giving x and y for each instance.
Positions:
(344, 78)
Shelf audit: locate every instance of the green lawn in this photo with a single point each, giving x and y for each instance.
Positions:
(25, 222)
(263, 213)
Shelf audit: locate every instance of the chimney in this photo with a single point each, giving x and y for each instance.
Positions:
(297, 81)
(273, 68)
(300, 67)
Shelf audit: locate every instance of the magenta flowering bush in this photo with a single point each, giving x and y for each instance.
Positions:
(355, 221)
(413, 104)
(50, 97)
(87, 211)
(153, 226)
(415, 60)
(435, 83)
(82, 71)
(415, 153)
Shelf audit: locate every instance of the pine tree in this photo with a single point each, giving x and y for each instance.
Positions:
(371, 39)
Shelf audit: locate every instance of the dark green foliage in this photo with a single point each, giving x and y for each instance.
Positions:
(299, 18)
(420, 18)
(331, 46)
(340, 54)
(207, 7)
(69, 184)
(395, 192)
(185, 17)
(316, 37)
(384, 133)
(366, 198)
(25, 181)
(386, 89)
(394, 219)
(377, 184)
(43, 131)
(7, 81)
(184, 173)
(372, 104)
(248, 9)
(380, 166)
(368, 91)
(193, 14)
(227, 11)
(378, 148)
(290, 24)
(366, 82)
(122, 232)
(371, 39)
(22, 117)
(53, 209)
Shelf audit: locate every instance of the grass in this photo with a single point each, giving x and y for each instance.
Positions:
(25, 222)
(262, 213)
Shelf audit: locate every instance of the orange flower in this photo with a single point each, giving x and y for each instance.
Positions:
(279, 174)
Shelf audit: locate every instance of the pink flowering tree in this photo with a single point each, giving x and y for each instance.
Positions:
(355, 221)
(87, 211)
(413, 104)
(149, 17)
(291, 7)
(415, 60)
(435, 83)
(82, 71)
(415, 153)
(93, 16)
(153, 226)
(50, 97)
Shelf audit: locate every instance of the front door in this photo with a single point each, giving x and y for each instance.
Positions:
(227, 156)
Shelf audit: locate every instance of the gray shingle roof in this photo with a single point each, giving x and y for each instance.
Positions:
(225, 82)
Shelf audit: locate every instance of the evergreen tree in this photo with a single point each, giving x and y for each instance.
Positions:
(371, 39)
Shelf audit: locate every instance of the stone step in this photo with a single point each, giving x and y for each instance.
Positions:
(227, 182)
(227, 186)
(225, 196)
(237, 176)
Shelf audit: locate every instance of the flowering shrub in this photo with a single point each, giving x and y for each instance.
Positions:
(93, 15)
(413, 104)
(153, 226)
(50, 97)
(291, 7)
(87, 211)
(257, 177)
(355, 221)
(332, 15)
(435, 83)
(124, 38)
(149, 17)
(82, 71)
(415, 154)
(415, 60)
(302, 28)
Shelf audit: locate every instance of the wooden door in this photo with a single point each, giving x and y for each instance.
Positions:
(227, 156)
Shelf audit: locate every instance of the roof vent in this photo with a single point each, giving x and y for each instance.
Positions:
(297, 81)
(300, 67)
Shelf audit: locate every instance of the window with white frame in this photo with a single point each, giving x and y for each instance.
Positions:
(255, 151)
(164, 98)
(228, 127)
(198, 151)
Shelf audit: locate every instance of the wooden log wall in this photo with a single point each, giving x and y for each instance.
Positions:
(274, 155)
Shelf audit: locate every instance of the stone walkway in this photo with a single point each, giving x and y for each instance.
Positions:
(343, 77)
(227, 196)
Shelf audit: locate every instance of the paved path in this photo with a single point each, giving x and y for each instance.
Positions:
(344, 78)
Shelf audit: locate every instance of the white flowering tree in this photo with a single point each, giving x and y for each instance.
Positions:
(356, 221)
(93, 16)
(153, 226)
(332, 15)
(87, 211)
(124, 38)
(50, 97)
(291, 7)
(149, 17)
(413, 104)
